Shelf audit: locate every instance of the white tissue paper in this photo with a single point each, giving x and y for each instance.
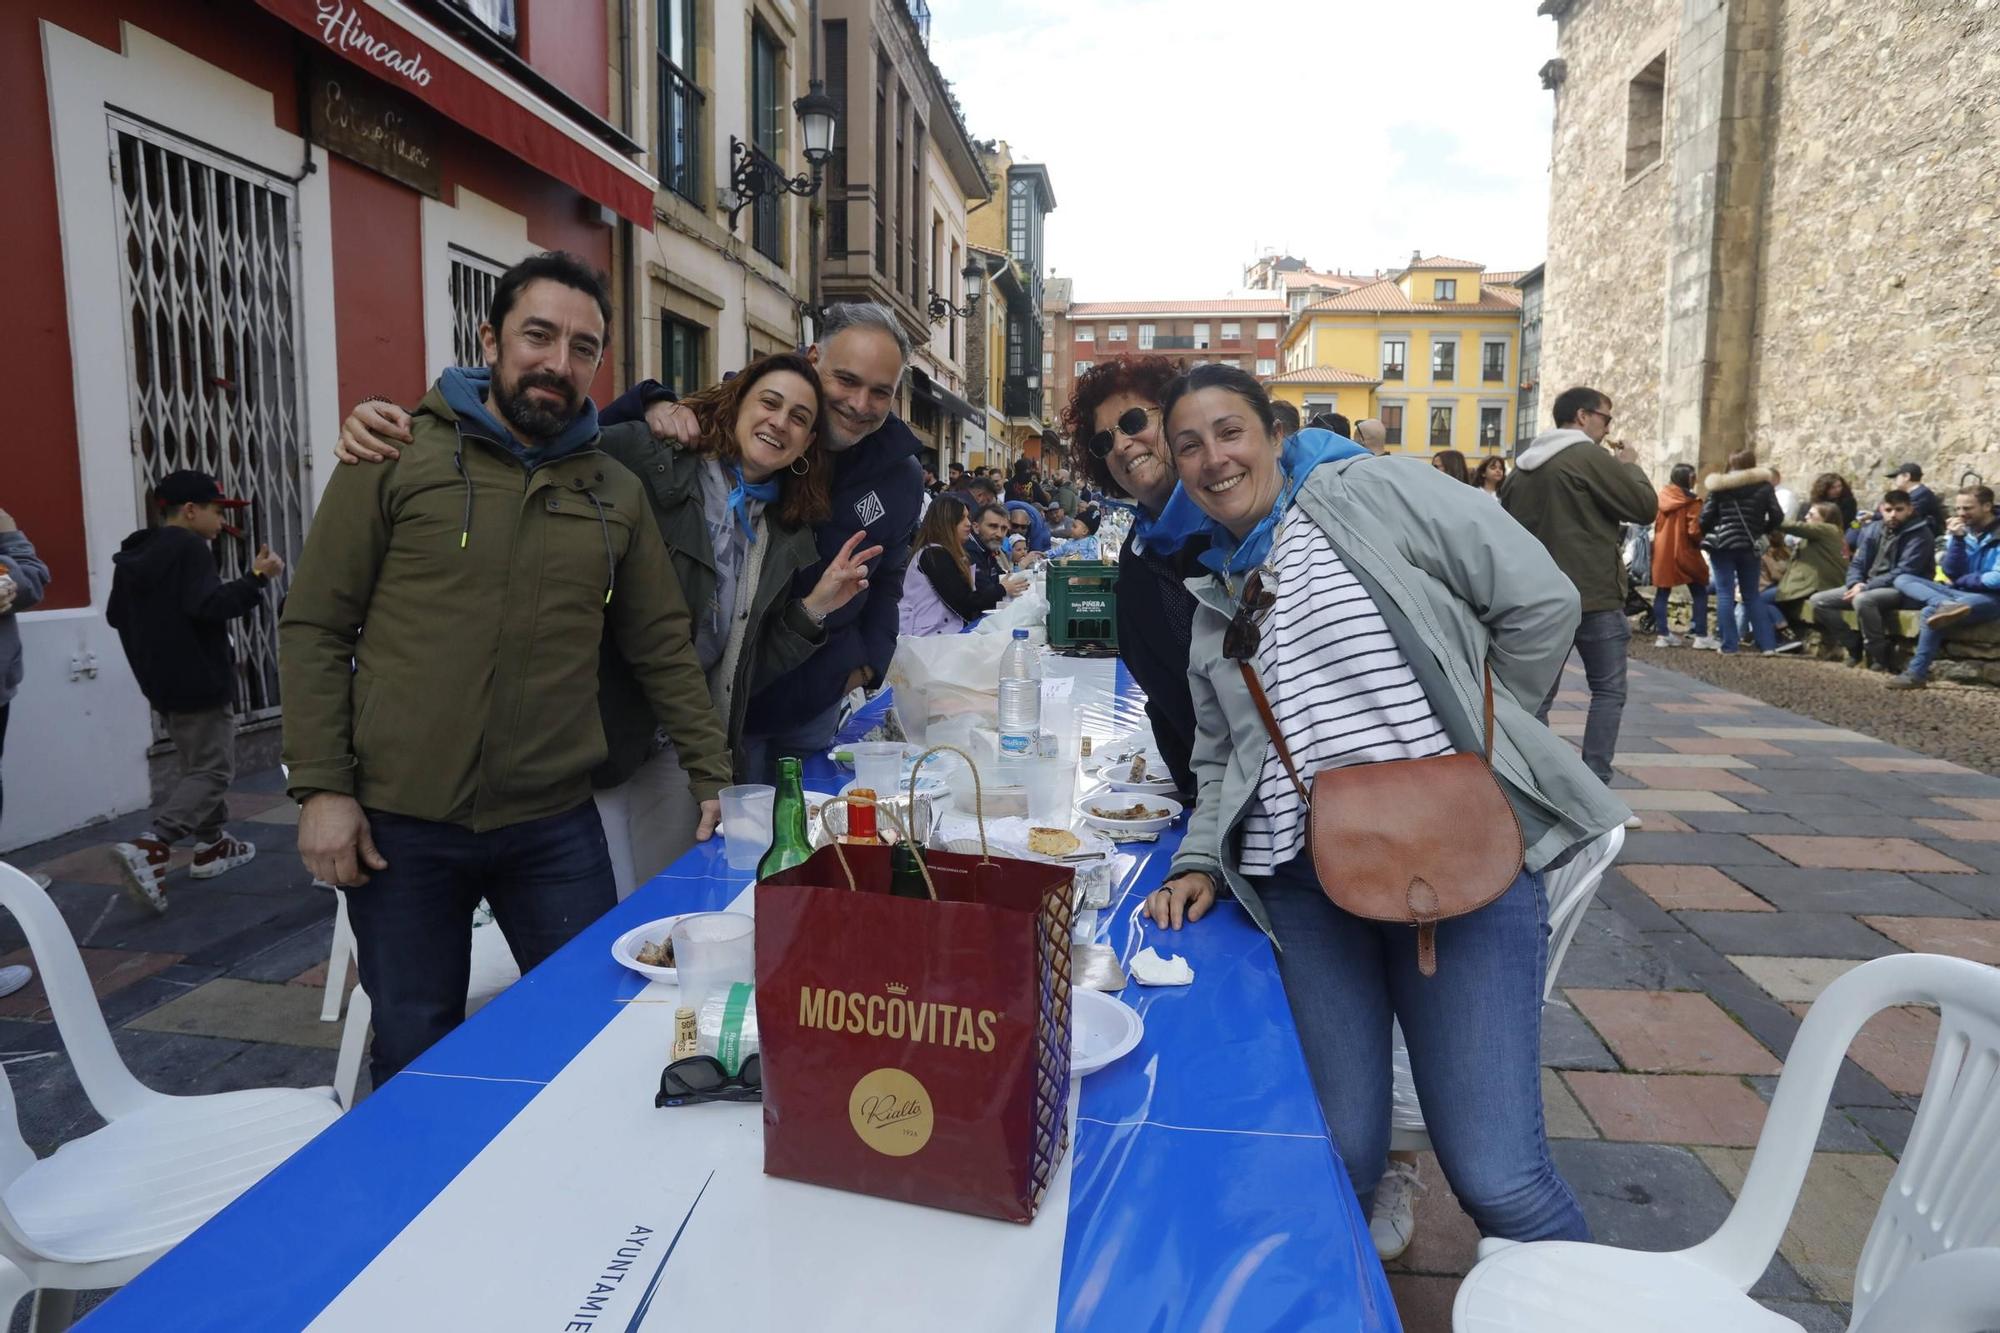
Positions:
(1149, 969)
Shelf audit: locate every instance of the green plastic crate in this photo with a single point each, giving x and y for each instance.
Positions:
(1083, 605)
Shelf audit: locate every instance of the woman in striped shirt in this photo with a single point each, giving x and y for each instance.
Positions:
(1395, 586)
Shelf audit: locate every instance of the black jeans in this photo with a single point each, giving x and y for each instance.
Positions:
(546, 880)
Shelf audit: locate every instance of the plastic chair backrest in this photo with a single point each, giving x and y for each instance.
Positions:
(1945, 1194)
(106, 1081)
(1957, 1292)
(1570, 890)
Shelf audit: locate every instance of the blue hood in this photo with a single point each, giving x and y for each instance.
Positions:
(1038, 528)
(464, 392)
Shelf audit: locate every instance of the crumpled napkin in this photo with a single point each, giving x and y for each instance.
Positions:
(1149, 969)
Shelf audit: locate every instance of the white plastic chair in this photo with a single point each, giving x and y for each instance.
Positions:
(1943, 1198)
(1570, 891)
(338, 959)
(493, 970)
(102, 1207)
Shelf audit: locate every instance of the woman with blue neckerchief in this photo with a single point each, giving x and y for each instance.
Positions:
(1368, 597)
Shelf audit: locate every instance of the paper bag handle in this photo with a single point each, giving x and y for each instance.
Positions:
(978, 790)
(881, 811)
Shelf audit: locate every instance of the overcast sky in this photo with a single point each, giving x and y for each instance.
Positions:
(1185, 137)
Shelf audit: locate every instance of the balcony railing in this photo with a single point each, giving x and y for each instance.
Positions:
(680, 134)
(1392, 372)
(920, 14)
(1018, 400)
(1494, 375)
(1178, 342)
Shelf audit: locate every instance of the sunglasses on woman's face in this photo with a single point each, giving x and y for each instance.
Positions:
(701, 1078)
(1245, 632)
(1129, 423)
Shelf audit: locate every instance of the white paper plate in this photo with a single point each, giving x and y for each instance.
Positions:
(626, 947)
(1089, 807)
(1111, 776)
(1103, 1028)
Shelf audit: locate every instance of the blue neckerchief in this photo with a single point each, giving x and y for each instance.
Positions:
(1179, 519)
(743, 492)
(464, 391)
(1302, 453)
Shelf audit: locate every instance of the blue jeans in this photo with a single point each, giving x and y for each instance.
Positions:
(1696, 591)
(1930, 593)
(811, 737)
(1474, 1032)
(546, 880)
(1769, 597)
(1733, 569)
(1601, 639)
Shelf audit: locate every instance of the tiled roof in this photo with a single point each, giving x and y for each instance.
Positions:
(1387, 296)
(1322, 375)
(1274, 305)
(1505, 277)
(1439, 261)
(1308, 278)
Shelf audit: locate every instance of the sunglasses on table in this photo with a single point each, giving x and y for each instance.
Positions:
(701, 1078)
(1129, 423)
(1245, 632)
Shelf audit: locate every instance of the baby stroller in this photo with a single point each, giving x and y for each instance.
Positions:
(1638, 552)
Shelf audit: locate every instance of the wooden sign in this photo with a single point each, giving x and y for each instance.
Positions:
(359, 119)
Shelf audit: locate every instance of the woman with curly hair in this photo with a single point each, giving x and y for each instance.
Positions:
(1831, 488)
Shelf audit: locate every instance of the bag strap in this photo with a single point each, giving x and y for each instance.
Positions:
(1263, 702)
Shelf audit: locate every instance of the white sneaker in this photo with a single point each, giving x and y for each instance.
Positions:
(1393, 1220)
(1708, 642)
(220, 857)
(1668, 640)
(1635, 822)
(144, 863)
(14, 977)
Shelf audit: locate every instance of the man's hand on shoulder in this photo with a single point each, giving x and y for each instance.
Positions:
(366, 435)
(674, 423)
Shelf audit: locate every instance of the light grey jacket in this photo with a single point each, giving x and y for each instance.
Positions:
(1458, 582)
(31, 580)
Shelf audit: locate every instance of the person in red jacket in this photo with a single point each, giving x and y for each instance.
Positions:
(1677, 558)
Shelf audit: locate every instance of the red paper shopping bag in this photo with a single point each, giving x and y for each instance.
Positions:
(912, 1049)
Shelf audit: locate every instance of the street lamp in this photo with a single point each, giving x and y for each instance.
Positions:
(753, 175)
(975, 286)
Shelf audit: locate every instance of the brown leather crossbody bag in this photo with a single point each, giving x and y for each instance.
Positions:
(1413, 841)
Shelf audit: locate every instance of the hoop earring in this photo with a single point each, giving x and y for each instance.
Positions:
(800, 466)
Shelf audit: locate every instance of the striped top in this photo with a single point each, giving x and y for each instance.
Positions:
(1342, 691)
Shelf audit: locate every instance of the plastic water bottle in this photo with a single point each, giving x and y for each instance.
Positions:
(1020, 701)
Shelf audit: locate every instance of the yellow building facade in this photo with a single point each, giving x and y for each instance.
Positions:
(1433, 352)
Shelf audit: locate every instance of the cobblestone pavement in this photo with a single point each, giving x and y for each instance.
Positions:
(1777, 852)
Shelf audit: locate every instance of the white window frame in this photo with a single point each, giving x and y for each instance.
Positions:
(1082, 368)
(1491, 405)
(1236, 336)
(1382, 406)
(1457, 361)
(1438, 294)
(1086, 333)
(1490, 341)
(1267, 330)
(1201, 336)
(1267, 365)
(480, 228)
(1382, 355)
(1431, 405)
(1146, 332)
(1115, 333)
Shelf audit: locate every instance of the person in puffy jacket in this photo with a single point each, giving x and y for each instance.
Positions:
(1971, 595)
(1677, 558)
(1741, 509)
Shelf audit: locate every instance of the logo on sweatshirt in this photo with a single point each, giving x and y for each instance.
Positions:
(869, 508)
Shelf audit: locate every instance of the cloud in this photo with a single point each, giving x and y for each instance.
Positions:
(1184, 138)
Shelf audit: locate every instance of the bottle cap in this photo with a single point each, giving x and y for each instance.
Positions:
(861, 813)
(1020, 634)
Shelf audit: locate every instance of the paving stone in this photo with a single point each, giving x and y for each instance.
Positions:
(285, 812)
(1655, 1196)
(1861, 824)
(1833, 853)
(110, 970)
(1616, 895)
(1888, 1126)
(1983, 857)
(1836, 1132)
(1726, 697)
(1746, 821)
(1830, 1223)
(1671, 1108)
(1626, 759)
(1659, 821)
(1565, 728)
(1423, 1300)
(1900, 763)
(1963, 830)
(1671, 1032)
(1954, 784)
(20, 1036)
(285, 959)
(1853, 891)
(1980, 892)
(1560, 1110)
(1788, 934)
(1895, 1046)
(245, 1011)
(1700, 849)
(1977, 940)
(1693, 888)
(1886, 801)
(1976, 806)
(1568, 1042)
(1793, 980)
(1829, 734)
(1605, 957)
(1700, 710)
(250, 804)
(1642, 799)
(1747, 749)
(1692, 779)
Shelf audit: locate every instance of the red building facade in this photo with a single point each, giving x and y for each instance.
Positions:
(230, 220)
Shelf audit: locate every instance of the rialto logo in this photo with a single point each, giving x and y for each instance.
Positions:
(891, 1112)
(896, 1016)
(340, 27)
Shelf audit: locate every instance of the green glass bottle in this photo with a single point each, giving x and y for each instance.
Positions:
(906, 877)
(789, 841)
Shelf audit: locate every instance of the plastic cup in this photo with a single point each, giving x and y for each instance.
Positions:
(713, 951)
(746, 823)
(1051, 784)
(878, 765)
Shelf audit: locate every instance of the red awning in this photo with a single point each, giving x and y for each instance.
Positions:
(409, 53)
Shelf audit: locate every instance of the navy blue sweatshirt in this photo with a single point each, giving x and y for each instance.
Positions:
(1155, 625)
(172, 610)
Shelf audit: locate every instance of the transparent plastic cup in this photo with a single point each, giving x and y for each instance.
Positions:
(746, 823)
(878, 765)
(713, 951)
(1051, 784)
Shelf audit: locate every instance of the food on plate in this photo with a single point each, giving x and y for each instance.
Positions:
(1137, 810)
(1052, 841)
(1138, 773)
(657, 953)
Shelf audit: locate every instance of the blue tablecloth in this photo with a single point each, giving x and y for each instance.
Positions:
(1205, 1193)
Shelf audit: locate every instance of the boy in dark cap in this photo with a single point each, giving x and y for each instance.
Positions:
(172, 611)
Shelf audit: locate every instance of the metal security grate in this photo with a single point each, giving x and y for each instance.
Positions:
(209, 275)
(473, 278)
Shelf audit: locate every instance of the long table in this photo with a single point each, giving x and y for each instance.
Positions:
(517, 1175)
